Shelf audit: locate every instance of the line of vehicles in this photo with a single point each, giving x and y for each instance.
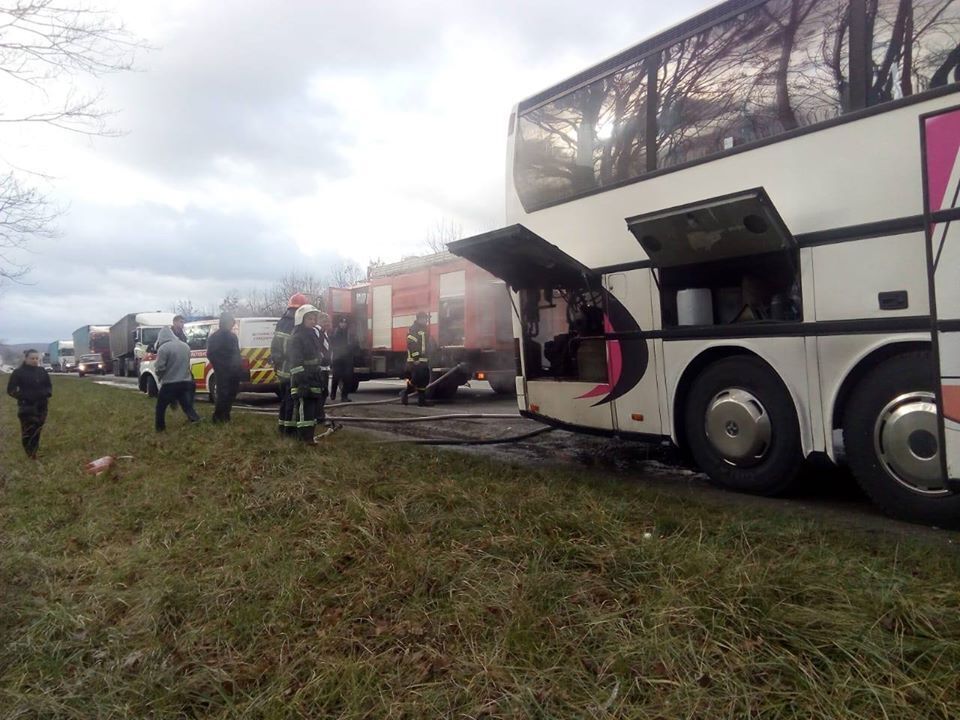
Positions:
(470, 328)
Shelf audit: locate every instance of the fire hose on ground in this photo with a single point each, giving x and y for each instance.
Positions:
(335, 419)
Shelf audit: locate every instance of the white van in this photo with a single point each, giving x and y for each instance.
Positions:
(255, 335)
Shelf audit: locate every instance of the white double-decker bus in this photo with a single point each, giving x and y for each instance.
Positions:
(740, 235)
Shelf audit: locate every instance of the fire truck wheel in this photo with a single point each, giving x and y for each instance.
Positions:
(354, 385)
(892, 442)
(444, 391)
(742, 428)
(503, 384)
(152, 390)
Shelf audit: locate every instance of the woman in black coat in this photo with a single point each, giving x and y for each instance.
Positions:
(31, 387)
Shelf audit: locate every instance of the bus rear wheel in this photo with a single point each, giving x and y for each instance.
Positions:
(742, 428)
(892, 442)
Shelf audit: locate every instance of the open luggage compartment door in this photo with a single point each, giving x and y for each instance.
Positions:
(745, 223)
(523, 259)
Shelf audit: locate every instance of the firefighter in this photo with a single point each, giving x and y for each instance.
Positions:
(309, 360)
(418, 360)
(278, 357)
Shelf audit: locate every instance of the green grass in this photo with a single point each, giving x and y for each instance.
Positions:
(225, 573)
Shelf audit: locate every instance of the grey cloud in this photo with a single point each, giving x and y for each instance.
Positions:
(142, 258)
(232, 81)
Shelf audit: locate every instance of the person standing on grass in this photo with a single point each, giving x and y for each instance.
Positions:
(30, 385)
(223, 352)
(281, 366)
(176, 381)
(309, 356)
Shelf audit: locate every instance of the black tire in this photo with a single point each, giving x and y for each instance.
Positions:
(897, 376)
(212, 388)
(446, 390)
(80, 374)
(503, 384)
(152, 390)
(353, 386)
(782, 458)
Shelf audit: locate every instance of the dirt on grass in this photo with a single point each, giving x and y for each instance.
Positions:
(225, 572)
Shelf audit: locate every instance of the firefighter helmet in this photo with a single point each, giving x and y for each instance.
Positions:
(296, 300)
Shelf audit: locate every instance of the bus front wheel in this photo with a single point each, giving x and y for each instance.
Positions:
(741, 427)
(891, 440)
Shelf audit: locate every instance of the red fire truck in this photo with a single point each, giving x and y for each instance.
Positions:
(470, 321)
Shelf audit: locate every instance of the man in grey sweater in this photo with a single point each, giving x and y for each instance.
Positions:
(176, 381)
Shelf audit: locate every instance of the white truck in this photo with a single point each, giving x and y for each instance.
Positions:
(131, 337)
(62, 358)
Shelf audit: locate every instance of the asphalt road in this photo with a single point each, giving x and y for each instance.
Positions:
(823, 491)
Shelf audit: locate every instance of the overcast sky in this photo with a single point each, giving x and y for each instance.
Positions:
(261, 138)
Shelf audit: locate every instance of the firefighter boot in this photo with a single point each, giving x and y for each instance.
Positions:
(422, 399)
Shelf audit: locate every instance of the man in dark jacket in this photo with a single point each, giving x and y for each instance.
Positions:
(178, 322)
(223, 353)
(309, 358)
(31, 387)
(418, 359)
(278, 357)
(342, 360)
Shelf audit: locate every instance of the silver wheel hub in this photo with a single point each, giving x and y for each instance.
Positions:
(738, 427)
(905, 437)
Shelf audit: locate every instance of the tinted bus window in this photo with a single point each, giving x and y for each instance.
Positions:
(590, 138)
(777, 67)
(914, 46)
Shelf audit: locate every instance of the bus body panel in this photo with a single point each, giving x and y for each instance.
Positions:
(849, 277)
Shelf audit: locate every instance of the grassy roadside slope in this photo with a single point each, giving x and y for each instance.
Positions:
(225, 573)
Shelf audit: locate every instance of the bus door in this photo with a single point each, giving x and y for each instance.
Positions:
(940, 142)
(632, 387)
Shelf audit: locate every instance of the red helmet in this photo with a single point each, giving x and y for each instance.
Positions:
(296, 300)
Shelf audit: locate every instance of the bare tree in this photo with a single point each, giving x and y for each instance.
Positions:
(185, 308)
(24, 213)
(373, 264)
(345, 273)
(44, 47)
(444, 231)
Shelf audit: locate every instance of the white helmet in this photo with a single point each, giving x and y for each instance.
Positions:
(302, 312)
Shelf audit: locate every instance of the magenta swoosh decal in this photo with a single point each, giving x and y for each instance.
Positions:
(943, 145)
(614, 364)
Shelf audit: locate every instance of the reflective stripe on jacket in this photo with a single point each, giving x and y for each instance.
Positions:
(417, 339)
